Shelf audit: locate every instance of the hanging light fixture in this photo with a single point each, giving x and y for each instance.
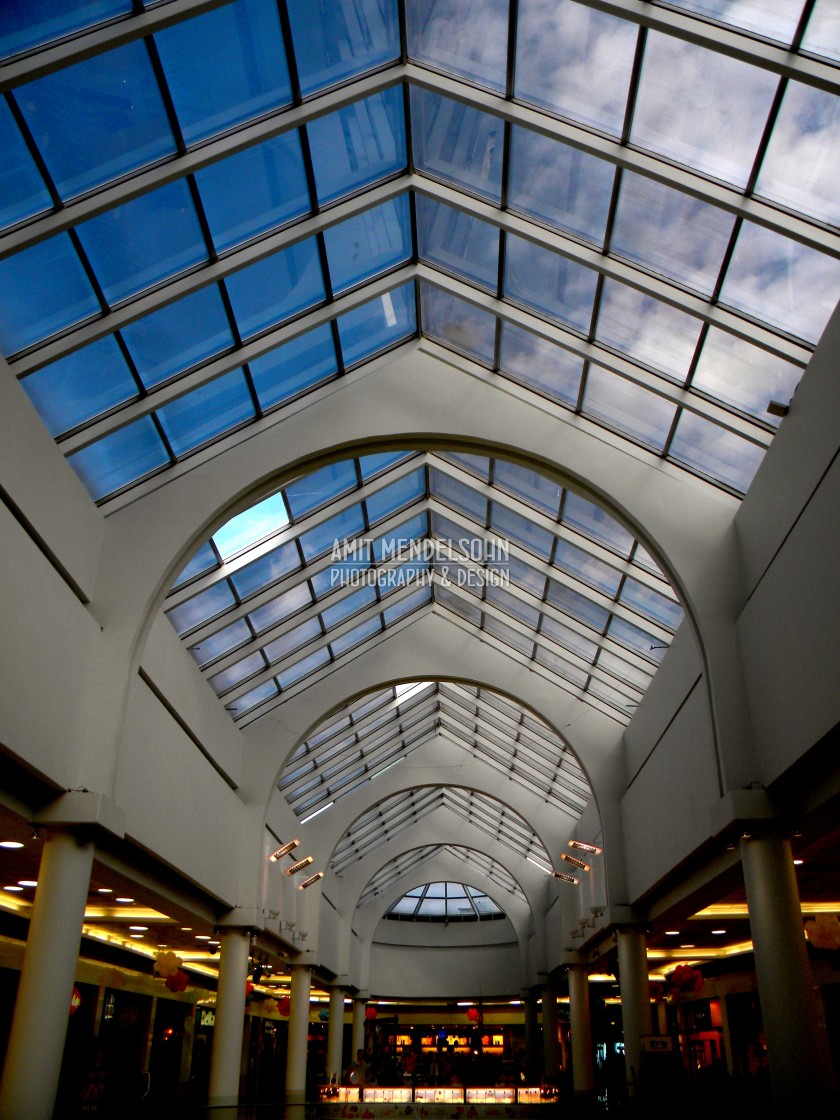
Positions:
(284, 851)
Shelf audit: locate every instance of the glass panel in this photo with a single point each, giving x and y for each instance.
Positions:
(274, 289)
(337, 41)
(313, 490)
(774, 19)
(99, 119)
(526, 614)
(633, 637)
(478, 465)
(457, 143)
(650, 603)
(457, 323)
(358, 145)
(459, 606)
(455, 493)
(671, 233)
(373, 464)
(802, 163)
(405, 606)
(332, 616)
(575, 60)
(267, 570)
(202, 607)
(120, 458)
(561, 666)
(701, 108)
(294, 367)
(550, 283)
(299, 636)
(243, 669)
(534, 487)
(540, 364)
(822, 35)
(251, 699)
(578, 563)
(203, 561)
(277, 190)
(224, 67)
(85, 384)
(458, 242)
(354, 637)
(342, 527)
(595, 523)
(180, 335)
(628, 408)
(206, 413)
(22, 190)
(646, 329)
(143, 241)
(377, 324)
(560, 185)
(738, 373)
(509, 636)
(32, 22)
(252, 525)
(714, 452)
(399, 494)
(44, 290)
(781, 282)
(522, 529)
(577, 605)
(368, 244)
(284, 606)
(568, 638)
(523, 575)
(390, 544)
(469, 39)
(622, 669)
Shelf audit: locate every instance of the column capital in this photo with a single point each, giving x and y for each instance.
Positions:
(83, 808)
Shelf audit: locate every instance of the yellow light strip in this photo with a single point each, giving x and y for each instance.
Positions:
(739, 909)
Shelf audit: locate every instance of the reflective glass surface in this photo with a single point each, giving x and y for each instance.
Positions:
(22, 189)
(457, 143)
(457, 242)
(628, 408)
(336, 42)
(466, 39)
(550, 283)
(207, 412)
(540, 364)
(774, 19)
(374, 241)
(457, 323)
(276, 288)
(359, 145)
(29, 23)
(377, 324)
(293, 368)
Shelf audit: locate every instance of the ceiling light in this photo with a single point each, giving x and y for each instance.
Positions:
(593, 849)
(125, 900)
(139, 927)
(299, 866)
(27, 882)
(104, 890)
(10, 844)
(15, 888)
(575, 862)
(312, 879)
(563, 877)
(538, 863)
(327, 806)
(186, 929)
(718, 932)
(672, 933)
(798, 862)
(284, 851)
(137, 936)
(202, 937)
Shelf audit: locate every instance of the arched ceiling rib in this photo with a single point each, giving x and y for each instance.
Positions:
(414, 859)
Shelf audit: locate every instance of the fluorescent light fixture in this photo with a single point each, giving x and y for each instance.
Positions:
(284, 851)
(312, 879)
(27, 882)
(538, 863)
(10, 844)
(317, 811)
(124, 899)
(593, 849)
(299, 866)
(563, 877)
(575, 862)
(14, 888)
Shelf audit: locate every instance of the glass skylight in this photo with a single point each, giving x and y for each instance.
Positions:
(444, 902)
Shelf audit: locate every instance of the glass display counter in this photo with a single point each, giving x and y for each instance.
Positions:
(384, 1095)
(503, 1095)
(439, 1094)
(339, 1094)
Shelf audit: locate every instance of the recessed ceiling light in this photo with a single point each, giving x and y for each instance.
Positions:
(186, 929)
(672, 933)
(126, 900)
(104, 890)
(798, 862)
(202, 937)
(10, 844)
(144, 928)
(214, 942)
(27, 882)
(137, 936)
(15, 888)
(688, 946)
(718, 931)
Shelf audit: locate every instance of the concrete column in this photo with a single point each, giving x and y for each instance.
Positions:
(335, 1033)
(635, 999)
(42, 1009)
(226, 1056)
(358, 1027)
(583, 1065)
(796, 1047)
(551, 1044)
(298, 1038)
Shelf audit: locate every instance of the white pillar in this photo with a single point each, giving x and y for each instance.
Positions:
(795, 1043)
(358, 1027)
(226, 1057)
(42, 1009)
(298, 1038)
(551, 1045)
(635, 999)
(335, 1033)
(583, 1068)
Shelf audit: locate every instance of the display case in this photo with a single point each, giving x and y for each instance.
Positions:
(448, 1094)
(529, 1094)
(339, 1094)
(382, 1095)
(499, 1095)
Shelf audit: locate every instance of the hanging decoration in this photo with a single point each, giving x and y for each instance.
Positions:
(824, 931)
(75, 1001)
(324, 1014)
(370, 1013)
(177, 982)
(473, 1014)
(284, 1006)
(167, 964)
(684, 982)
